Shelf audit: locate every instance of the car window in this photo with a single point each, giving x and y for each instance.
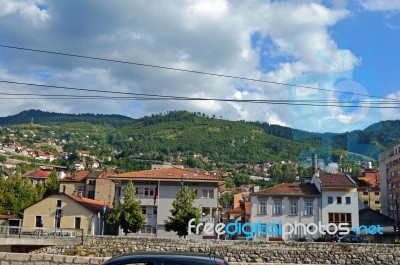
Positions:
(172, 263)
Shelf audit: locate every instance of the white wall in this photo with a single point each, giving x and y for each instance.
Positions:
(285, 217)
(340, 208)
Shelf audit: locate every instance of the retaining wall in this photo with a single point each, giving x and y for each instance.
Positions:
(239, 251)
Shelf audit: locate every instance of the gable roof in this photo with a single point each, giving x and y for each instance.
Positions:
(337, 180)
(77, 176)
(36, 174)
(297, 188)
(166, 173)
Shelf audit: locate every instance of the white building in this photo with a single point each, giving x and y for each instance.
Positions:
(168, 181)
(339, 199)
(288, 203)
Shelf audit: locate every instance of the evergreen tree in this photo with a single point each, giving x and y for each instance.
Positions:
(182, 212)
(129, 214)
(52, 184)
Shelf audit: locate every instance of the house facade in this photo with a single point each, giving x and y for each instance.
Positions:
(168, 182)
(287, 203)
(77, 213)
(339, 199)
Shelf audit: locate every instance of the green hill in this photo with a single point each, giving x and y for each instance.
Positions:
(164, 135)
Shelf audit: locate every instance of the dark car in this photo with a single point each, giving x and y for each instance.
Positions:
(352, 239)
(167, 258)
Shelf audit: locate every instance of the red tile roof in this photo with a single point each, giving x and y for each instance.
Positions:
(371, 178)
(92, 205)
(238, 210)
(333, 180)
(8, 216)
(296, 188)
(166, 173)
(36, 174)
(80, 175)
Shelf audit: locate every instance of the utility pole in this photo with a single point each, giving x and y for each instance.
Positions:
(397, 213)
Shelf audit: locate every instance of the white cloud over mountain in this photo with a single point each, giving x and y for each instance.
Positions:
(225, 37)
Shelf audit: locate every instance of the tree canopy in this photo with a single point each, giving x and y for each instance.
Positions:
(129, 214)
(183, 210)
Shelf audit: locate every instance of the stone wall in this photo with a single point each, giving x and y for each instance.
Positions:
(32, 259)
(239, 251)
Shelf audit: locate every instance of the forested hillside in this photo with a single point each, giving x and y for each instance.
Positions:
(164, 136)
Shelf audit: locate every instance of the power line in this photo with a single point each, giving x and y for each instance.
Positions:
(324, 103)
(187, 71)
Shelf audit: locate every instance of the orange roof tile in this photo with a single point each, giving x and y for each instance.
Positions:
(80, 175)
(166, 173)
(8, 216)
(296, 188)
(36, 174)
(371, 178)
(238, 210)
(93, 205)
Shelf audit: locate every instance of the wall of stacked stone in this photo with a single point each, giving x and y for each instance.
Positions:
(239, 251)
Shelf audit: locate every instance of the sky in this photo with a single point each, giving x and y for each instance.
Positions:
(345, 46)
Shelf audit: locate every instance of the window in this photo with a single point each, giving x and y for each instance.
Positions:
(148, 192)
(92, 182)
(278, 208)
(144, 209)
(119, 191)
(155, 210)
(339, 200)
(38, 221)
(262, 208)
(77, 222)
(91, 194)
(330, 200)
(293, 208)
(337, 218)
(366, 202)
(59, 202)
(377, 202)
(365, 193)
(348, 200)
(309, 208)
(63, 188)
(208, 194)
(377, 193)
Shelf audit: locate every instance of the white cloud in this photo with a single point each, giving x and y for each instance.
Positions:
(391, 113)
(209, 36)
(31, 11)
(381, 5)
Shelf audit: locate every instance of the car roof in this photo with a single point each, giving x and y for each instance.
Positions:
(166, 256)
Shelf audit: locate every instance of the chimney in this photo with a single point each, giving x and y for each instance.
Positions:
(314, 163)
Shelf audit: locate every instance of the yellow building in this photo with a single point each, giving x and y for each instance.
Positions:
(77, 213)
(370, 197)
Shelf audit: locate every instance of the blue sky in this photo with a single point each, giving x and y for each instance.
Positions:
(342, 45)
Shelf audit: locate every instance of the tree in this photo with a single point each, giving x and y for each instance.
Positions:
(129, 214)
(226, 200)
(52, 184)
(182, 212)
(3, 159)
(230, 183)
